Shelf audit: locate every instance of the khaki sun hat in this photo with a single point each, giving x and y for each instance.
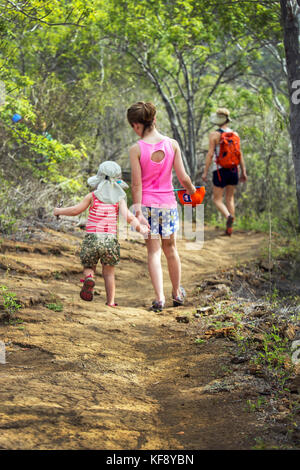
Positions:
(220, 117)
(110, 186)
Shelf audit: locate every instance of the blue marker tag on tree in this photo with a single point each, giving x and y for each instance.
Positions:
(16, 117)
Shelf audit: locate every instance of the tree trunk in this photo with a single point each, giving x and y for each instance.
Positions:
(290, 22)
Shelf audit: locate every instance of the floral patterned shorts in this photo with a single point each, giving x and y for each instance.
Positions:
(96, 247)
(162, 222)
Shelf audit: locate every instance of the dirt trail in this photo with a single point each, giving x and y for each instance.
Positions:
(93, 377)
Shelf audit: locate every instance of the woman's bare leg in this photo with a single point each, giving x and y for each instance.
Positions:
(154, 267)
(174, 264)
(229, 199)
(218, 201)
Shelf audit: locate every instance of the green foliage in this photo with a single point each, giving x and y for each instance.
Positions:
(199, 341)
(286, 247)
(55, 306)
(10, 304)
(255, 406)
(7, 224)
(275, 350)
(47, 159)
(72, 68)
(188, 51)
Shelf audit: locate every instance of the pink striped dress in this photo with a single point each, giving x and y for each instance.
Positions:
(103, 218)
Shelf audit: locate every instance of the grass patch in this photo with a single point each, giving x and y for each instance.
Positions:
(55, 306)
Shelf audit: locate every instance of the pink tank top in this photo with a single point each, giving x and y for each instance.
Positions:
(157, 187)
(103, 218)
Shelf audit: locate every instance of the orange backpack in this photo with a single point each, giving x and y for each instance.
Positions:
(230, 153)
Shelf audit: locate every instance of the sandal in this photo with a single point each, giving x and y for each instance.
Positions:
(179, 300)
(111, 305)
(86, 292)
(157, 306)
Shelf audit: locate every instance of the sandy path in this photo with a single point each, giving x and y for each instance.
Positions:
(93, 377)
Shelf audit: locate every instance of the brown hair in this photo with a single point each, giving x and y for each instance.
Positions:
(143, 113)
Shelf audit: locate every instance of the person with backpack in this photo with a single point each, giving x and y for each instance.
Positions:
(226, 155)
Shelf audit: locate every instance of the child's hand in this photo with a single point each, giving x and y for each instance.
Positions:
(144, 229)
(142, 220)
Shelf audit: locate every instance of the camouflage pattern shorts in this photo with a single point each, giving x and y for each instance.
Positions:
(96, 248)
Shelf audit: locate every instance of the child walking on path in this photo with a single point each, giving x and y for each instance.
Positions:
(152, 160)
(101, 242)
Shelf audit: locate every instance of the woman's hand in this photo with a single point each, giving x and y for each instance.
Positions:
(191, 190)
(56, 211)
(243, 177)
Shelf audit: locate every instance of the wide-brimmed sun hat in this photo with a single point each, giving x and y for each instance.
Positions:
(221, 116)
(110, 186)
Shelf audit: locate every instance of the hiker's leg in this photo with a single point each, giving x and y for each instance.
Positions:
(174, 265)
(108, 273)
(154, 266)
(89, 272)
(89, 255)
(229, 199)
(218, 200)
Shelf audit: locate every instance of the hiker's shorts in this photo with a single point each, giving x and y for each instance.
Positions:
(226, 177)
(98, 247)
(162, 222)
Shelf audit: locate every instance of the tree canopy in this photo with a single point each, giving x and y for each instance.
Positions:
(72, 68)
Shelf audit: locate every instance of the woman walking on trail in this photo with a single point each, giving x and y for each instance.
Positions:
(224, 178)
(152, 159)
(100, 242)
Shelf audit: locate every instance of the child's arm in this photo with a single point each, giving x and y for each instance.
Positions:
(75, 210)
(182, 175)
(131, 219)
